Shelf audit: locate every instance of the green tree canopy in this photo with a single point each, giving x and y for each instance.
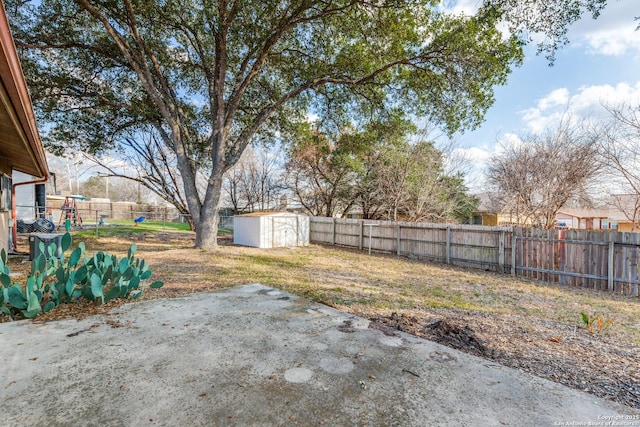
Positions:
(211, 76)
(550, 19)
(376, 171)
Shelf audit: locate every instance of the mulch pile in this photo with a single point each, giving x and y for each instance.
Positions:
(595, 363)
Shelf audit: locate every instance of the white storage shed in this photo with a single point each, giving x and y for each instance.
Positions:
(271, 229)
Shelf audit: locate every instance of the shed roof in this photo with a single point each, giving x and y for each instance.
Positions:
(268, 213)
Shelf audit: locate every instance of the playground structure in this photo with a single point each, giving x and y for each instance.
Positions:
(70, 213)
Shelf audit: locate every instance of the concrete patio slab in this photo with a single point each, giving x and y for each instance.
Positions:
(256, 356)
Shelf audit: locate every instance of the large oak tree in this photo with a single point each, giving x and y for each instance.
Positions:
(211, 76)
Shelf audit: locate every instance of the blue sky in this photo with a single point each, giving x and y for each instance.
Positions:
(601, 64)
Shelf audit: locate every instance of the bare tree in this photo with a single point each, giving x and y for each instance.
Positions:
(151, 165)
(629, 206)
(413, 185)
(620, 153)
(255, 182)
(320, 179)
(535, 178)
(233, 187)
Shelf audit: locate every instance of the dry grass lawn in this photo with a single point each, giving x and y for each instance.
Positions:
(525, 324)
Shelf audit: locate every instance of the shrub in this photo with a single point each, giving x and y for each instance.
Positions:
(59, 280)
(595, 323)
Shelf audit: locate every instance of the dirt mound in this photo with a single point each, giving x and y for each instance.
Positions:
(399, 322)
(443, 331)
(456, 336)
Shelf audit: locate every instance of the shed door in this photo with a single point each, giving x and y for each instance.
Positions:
(284, 231)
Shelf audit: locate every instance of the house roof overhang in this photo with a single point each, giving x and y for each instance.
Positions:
(585, 213)
(20, 144)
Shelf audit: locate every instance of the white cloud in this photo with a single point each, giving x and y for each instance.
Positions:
(536, 120)
(594, 96)
(467, 7)
(475, 156)
(546, 110)
(586, 103)
(471, 161)
(555, 98)
(612, 34)
(507, 140)
(613, 42)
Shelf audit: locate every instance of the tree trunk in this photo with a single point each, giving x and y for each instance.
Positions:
(207, 229)
(207, 225)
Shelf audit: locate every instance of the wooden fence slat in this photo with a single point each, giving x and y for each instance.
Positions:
(598, 260)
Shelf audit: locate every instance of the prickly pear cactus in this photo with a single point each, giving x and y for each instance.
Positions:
(60, 280)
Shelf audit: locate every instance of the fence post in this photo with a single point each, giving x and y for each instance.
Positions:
(448, 247)
(333, 237)
(501, 245)
(514, 247)
(398, 240)
(361, 234)
(610, 267)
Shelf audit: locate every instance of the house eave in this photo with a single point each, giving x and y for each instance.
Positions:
(21, 147)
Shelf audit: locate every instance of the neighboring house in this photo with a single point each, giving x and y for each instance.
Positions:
(624, 212)
(487, 211)
(494, 211)
(491, 211)
(586, 219)
(20, 145)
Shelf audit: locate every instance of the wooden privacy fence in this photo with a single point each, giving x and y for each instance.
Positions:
(598, 260)
(463, 245)
(591, 259)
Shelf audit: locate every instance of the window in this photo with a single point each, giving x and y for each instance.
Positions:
(5, 197)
